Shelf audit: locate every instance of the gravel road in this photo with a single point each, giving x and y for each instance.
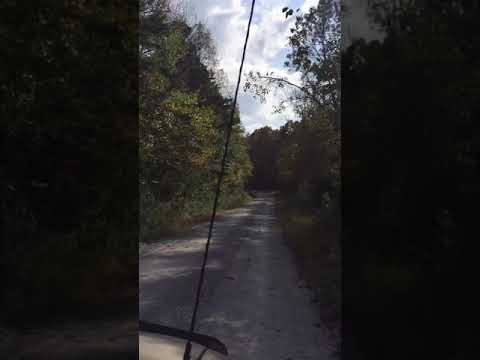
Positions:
(253, 300)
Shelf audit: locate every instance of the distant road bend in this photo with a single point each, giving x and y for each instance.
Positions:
(251, 300)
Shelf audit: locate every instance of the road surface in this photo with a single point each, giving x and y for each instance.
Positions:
(252, 300)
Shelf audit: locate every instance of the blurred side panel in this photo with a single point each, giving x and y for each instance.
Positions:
(410, 177)
(69, 179)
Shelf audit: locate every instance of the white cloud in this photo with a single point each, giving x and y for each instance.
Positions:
(227, 20)
(307, 4)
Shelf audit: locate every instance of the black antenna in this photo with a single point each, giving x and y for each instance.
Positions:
(188, 345)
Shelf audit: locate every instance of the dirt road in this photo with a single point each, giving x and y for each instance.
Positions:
(252, 300)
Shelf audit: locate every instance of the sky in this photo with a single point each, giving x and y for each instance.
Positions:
(267, 46)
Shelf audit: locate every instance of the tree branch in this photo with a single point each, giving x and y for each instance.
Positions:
(272, 78)
(303, 90)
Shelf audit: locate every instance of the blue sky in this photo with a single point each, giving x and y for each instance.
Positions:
(267, 47)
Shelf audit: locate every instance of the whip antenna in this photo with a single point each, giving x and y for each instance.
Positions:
(188, 346)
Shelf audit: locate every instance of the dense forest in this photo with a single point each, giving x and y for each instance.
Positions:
(184, 113)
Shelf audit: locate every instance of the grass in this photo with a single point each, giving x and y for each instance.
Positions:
(167, 221)
(314, 238)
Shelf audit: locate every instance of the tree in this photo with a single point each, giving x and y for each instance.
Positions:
(183, 115)
(315, 54)
(264, 152)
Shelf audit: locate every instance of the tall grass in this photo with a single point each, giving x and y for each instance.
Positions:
(168, 218)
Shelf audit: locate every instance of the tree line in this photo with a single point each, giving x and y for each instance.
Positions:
(184, 113)
(302, 158)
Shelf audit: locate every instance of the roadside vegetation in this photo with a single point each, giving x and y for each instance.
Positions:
(314, 237)
(184, 112)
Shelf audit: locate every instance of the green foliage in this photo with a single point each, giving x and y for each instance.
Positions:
(300, 158)
(264, 152)
(315, 54)
(182, 123)
(304, 157)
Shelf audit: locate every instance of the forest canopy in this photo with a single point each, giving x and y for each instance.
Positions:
(183, 121)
